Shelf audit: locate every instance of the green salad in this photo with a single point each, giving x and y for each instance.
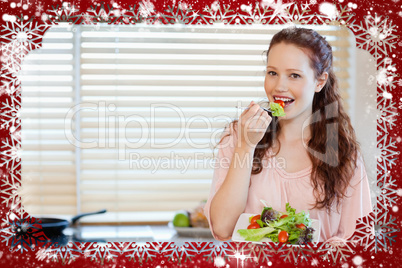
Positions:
(277, 109)
(289, 227)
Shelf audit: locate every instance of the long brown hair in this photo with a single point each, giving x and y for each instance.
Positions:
(332, 148)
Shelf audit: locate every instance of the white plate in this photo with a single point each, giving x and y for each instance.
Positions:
(196, 232)
(243, 222)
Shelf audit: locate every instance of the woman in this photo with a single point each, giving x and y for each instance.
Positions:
(309, 158)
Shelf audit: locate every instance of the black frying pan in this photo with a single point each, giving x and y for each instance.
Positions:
(53, 227)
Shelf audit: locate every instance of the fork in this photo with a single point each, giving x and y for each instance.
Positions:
(264, 202)
(245, 108)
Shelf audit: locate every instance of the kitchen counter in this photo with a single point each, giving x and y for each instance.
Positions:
(135, 233)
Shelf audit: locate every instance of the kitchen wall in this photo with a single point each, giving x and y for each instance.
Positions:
(365, 114)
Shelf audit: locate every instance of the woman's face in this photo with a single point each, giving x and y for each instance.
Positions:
(290, 78)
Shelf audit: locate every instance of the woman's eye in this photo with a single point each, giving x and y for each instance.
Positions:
(271, 73)
(295, 76)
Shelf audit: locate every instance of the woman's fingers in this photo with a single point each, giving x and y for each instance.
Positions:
(248, 108)
(252, 110)
(256, 122)
(264, 121)
(253, 123)
(261, 123)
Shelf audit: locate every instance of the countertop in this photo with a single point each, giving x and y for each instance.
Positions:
(135, 233)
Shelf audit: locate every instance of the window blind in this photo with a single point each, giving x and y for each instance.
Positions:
(152, 102)
(48, 159)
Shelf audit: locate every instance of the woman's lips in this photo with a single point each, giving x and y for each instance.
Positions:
(288, 103)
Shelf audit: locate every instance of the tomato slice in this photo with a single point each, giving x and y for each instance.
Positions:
(283, 236)
(255, 218)
(280, 102)
(253, 226)
(301, 226)
(283, 216)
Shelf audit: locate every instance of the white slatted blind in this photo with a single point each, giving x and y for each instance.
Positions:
(48, 159)
(154, 100)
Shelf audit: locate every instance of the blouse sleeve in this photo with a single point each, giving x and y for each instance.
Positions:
(355, 205)
(222, 162)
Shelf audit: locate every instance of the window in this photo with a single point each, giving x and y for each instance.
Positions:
(126, 117)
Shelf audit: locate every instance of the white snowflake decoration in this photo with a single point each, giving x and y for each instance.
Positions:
(62, 13)
(25, 33)
(146, 8)
(10, 112)
(377, 35)
(218, 14)
(66, 254)
(336, 252)
(21, 232)
(380, 226)
(11, 152)
(388, 190)
(9, 193)
(98, 251)
(296, 254)
(179, 253)
(388, 155)
(173, 15)
(280, 9)
(256, 15)
(140, 253)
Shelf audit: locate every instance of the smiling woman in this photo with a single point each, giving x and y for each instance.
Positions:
(325, 173)
(126, 117)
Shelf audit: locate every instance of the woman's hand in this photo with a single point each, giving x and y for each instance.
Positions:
(231, 198)
(253, 124)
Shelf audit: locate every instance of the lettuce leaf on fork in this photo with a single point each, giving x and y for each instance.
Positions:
(277, 109)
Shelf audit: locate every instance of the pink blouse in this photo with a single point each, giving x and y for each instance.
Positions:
(278, 187)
